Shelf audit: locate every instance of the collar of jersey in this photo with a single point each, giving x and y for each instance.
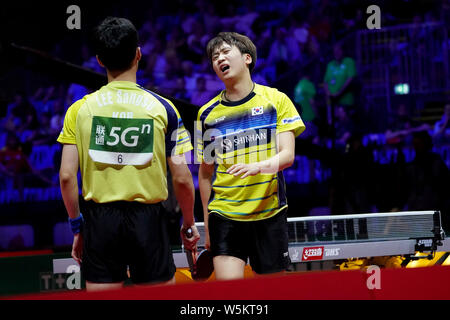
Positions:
(121, 83)
(239, 102)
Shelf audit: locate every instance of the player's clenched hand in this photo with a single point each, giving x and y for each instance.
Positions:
(244, 169)
(190, 242)
(77, 247)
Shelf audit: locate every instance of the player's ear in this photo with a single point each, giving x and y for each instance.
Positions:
(99, 62)
(138, 54)
(248, 59)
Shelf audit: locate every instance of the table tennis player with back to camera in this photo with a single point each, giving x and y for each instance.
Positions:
(123, 182)
(246, 137)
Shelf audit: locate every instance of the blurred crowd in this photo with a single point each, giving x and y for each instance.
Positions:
(285, 33)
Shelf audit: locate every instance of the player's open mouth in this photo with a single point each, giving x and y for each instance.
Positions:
(225, 68)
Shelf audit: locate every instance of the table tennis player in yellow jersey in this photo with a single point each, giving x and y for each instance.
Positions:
(245, 138)
(121, 137)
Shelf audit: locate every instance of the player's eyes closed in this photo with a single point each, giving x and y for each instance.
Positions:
(223, 51)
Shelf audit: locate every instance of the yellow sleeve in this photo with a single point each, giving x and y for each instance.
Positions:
(182, 140)
(67, 134)
(288, 118)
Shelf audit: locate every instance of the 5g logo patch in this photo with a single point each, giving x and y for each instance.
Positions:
(121, 141)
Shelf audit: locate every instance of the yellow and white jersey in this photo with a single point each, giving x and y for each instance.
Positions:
(245, 132)
(124, 133)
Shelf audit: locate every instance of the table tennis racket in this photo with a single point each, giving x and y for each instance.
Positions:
(203, 266)
(200, 264)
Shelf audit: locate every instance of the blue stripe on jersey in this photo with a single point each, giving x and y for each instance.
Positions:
(183, 139)
(246, 185)
(240, 130)
(255, 199)
(173, 122)
(248, 122)
(206, 112)
(246, 214)
(203, 144)
(181, 143)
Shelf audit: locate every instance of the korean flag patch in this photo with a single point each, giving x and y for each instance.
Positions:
(257, 110)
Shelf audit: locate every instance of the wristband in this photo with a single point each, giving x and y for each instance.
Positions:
(76, 224)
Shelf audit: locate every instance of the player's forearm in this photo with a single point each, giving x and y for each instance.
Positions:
(285, 156)
(183, 187)
(205, 187)
(205, 192)
(282, 160)
(185, 195)
(68, 179)
(69, 192)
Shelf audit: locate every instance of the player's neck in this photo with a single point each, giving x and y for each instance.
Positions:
(238, 90)
(128, 75)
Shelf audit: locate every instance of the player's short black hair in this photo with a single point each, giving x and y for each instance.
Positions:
(115, 43)
(243, 43)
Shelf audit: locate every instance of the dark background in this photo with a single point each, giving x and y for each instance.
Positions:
(37, 50)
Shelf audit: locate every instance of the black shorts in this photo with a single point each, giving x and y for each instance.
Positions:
(264, 243)
(119, 235)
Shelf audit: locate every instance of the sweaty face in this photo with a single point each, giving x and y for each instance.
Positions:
(228, 62)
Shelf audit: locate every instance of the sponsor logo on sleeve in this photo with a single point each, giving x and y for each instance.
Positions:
(290, 120)
(220, 119)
